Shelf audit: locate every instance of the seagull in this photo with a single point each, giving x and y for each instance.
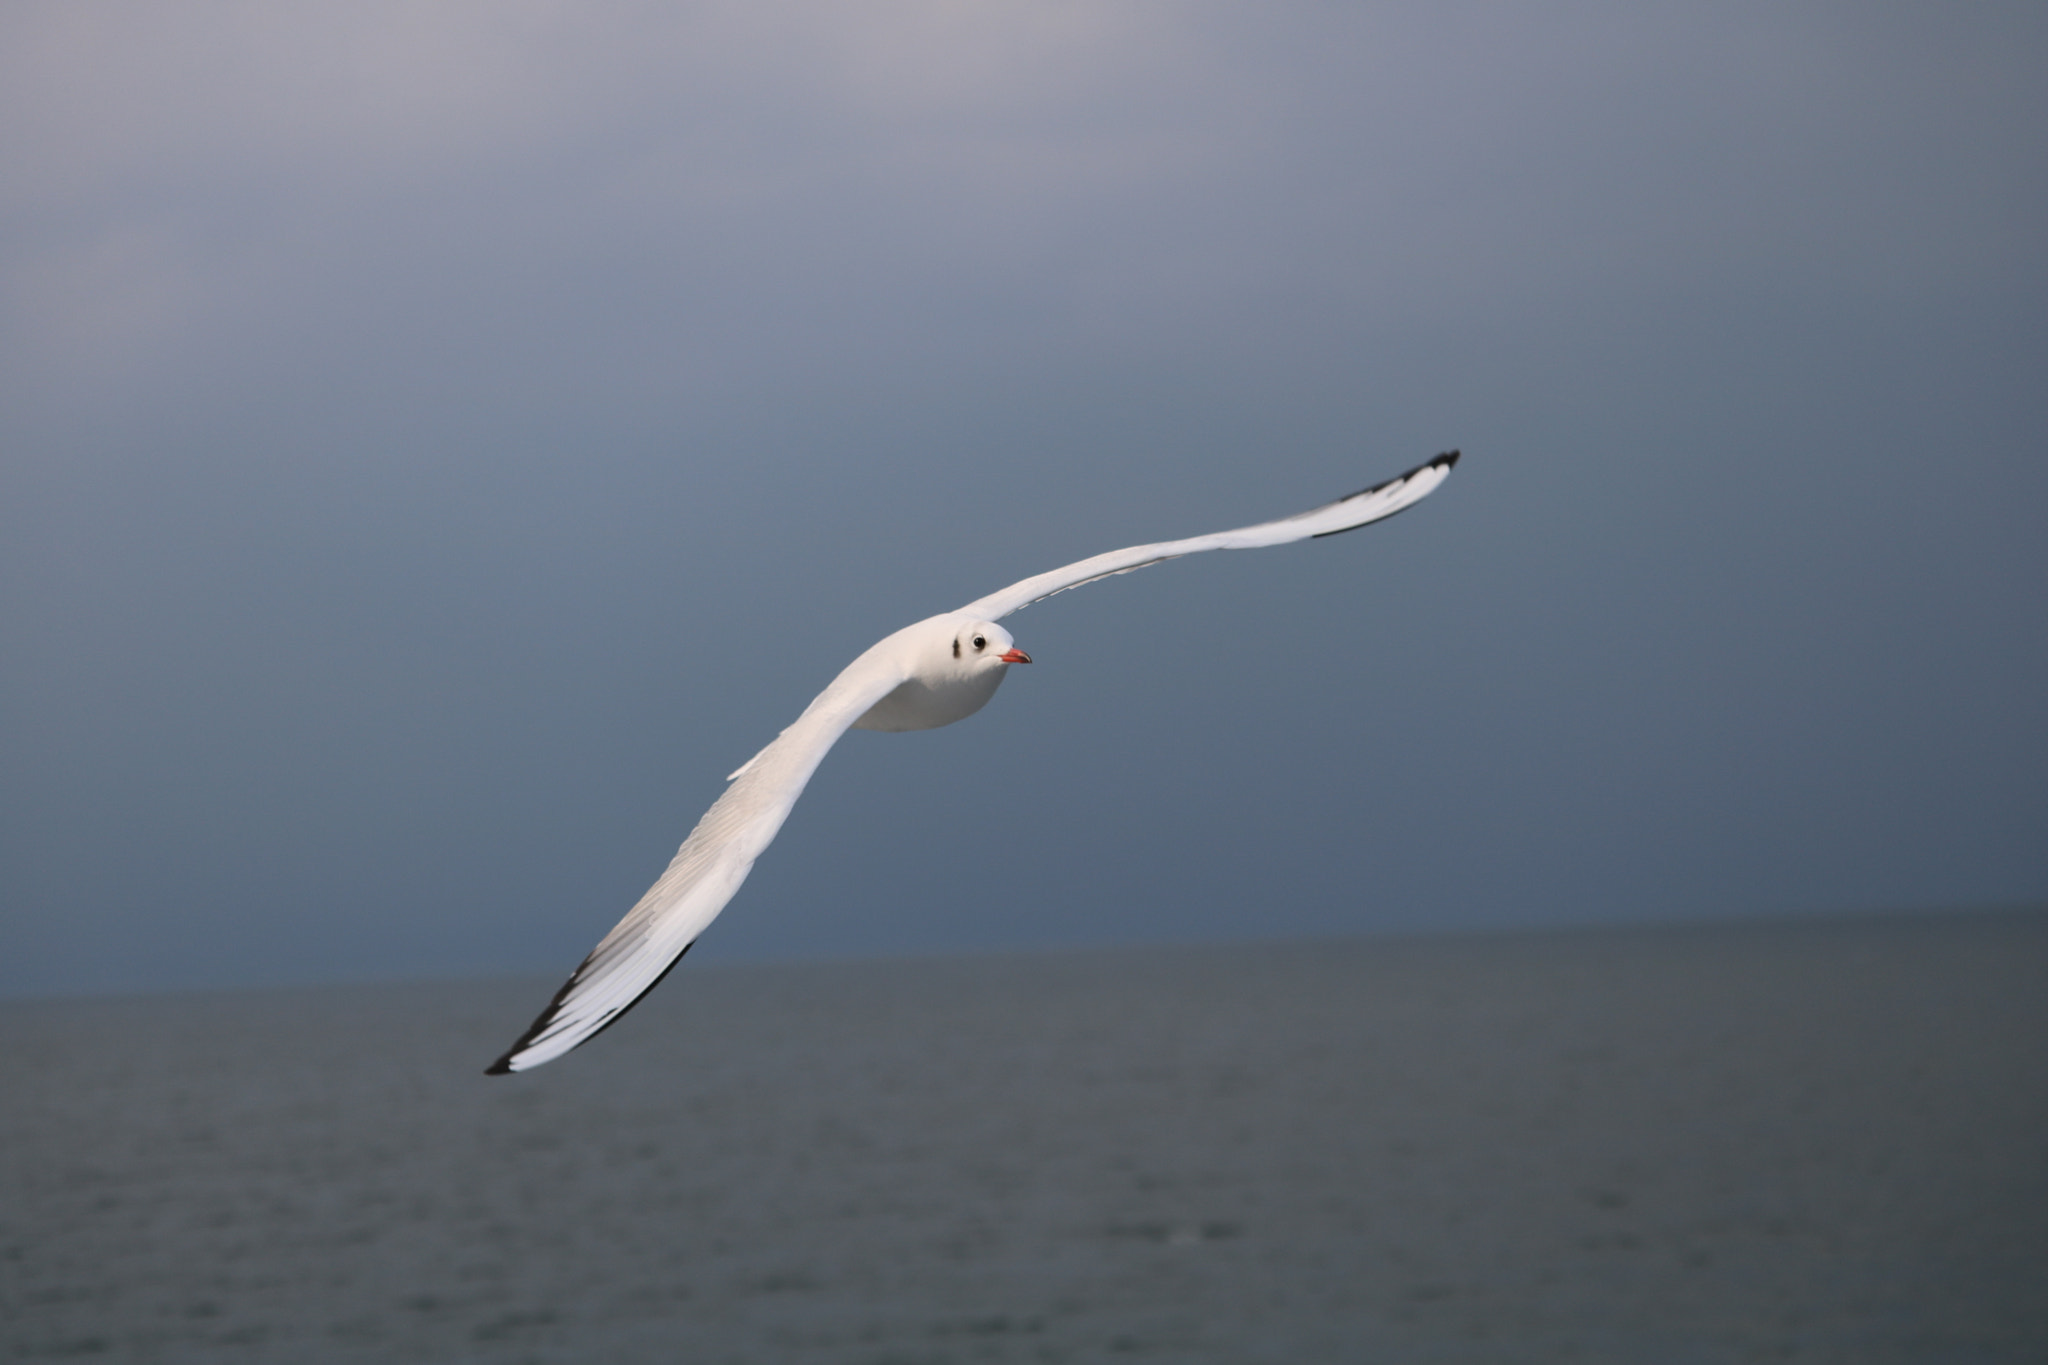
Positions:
(930, 674)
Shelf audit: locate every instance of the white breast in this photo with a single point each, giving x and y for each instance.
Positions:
(927, 703)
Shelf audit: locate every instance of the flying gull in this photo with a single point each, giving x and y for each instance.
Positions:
(927, 675)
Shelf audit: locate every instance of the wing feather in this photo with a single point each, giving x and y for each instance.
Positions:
(705, 873)
(1349, 513)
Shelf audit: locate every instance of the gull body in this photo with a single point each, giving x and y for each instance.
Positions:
(940, 670)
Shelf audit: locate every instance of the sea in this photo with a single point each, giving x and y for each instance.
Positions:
(1820, 1139)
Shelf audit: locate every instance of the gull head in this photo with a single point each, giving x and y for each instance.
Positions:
(954, 665)
(978, 645)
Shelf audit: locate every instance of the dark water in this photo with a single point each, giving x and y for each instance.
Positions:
(1791, 1142)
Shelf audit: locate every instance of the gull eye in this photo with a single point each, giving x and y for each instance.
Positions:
(980, 642)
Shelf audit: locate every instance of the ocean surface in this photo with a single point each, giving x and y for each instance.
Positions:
(1795, 1141)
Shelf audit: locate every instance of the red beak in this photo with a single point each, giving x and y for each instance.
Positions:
(1014, 656)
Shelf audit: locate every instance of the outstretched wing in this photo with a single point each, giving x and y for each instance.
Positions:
(705, 873)
(1367, 505)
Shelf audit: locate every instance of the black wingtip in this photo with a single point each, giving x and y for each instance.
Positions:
(1445, 461)
(503, 1066)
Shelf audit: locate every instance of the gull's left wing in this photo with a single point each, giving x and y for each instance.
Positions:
(705, 873)
(1367, 505)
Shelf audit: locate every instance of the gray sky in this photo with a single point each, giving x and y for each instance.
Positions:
(437, 445)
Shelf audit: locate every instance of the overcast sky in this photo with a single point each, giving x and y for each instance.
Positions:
(438, 443)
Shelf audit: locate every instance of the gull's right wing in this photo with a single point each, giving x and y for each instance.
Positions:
(1367, 505)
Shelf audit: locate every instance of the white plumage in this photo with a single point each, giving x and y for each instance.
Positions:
(933, 673)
